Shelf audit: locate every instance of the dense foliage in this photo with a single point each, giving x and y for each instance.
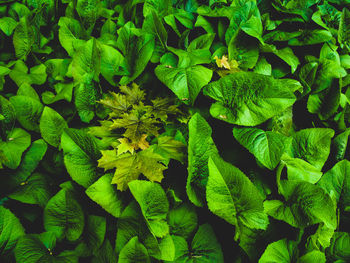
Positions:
(174, 131)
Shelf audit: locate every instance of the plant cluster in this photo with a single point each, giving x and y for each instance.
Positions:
(204, 131)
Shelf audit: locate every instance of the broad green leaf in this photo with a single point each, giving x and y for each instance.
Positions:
(134, 252)
(89, 12)
(340, 247)
(70, 34)
(10, 230)
(33, 248)
(249, 99)
(23, 38)
(267, 147)
(86, 96)
(64, 216)
(137, 48)
(93, 236)
(154, 25)
(3, 72)
(182, 220)
(80, 156)
(202, 42)
(27, 90)
(28, 111)
(34, 190)
(17, 142)
(7, 110)
(154, 205)
(281, 251)
(336, 182)
(312, 145)
(87, 61)
(200, 147)
(344, 29)
(306, 204)
(105, 255)
(311, 37)
(106, 195)
(64, 92)
(340, 144)
(19, 74)
(298, 169)
(186, 83)
(131, 223)
(111, 59)
(52, 125)
(204, 247)
(313, 256)
(233, 197)
(29, 162)
(7, 25)
(161, 7)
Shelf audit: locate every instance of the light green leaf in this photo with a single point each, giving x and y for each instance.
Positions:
(19, 74)
(311, 37)
(154, 205)
(106, 195)
(89, 12)
(186, 83)
(312, 145)
(267, 147)
(10, 230)
(111, 59)
(17, 142)
(182, 220)
(7, 25)
(281, 251)
(200, 147)
(306, 204)
(64, 92)
(249, 99)
(233, 197)
(70, 34)
(64, 216)
(23, 38)
(313, 256)
(336, 182)
(52, 125)
(28, 111)
(134, 252)
(8, 112)
(80, 156)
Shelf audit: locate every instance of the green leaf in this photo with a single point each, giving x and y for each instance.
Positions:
(281, 251)
(134, 252)
(313, 256)
(106, 195)
(336, 182)
(340, 144)
(64, 216)
(64, 92)
(130, 224)
(344, 29)
(89, 12)
(200, 147)
(233, 197)
(23, 38)
(312, 145)
(34, 190)
(19, 74)
(70, 34)
(52, 125)
(170, 148)
(10, 230)
(137, 48)
(182, 220)
(7, 25)
(249, 99)
(204, 248)
(7, 110)
(105, 255)
(17, 142)
(86, 96)
(32, 248)
(186, 83)
(80, 156)
(111, 59)
(87, 61)
(311, 37)
(28, 111)
(340, 247)
(267, 147)
(306, 204)
(154, 205)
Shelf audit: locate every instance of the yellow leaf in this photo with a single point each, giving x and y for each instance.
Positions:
(223, 62)
(125, 146)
